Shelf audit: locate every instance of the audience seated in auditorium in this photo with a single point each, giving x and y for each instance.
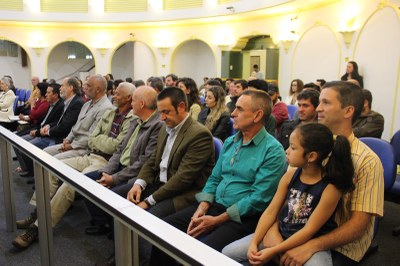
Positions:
(215, 115)
(189, 87)
(279, 109)
(102, 143)
(242, 183)
(124, 165)
(7, 99)
(39, 107)
(340, 104)
(296, 86)
(56, 125)
(352, 73)
(240, 86)
(369, 123)
(307, 102)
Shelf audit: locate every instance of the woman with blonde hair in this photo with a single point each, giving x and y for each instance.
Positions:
(215, 115)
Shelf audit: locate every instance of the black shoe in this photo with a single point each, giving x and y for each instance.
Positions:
(98, 230)
(27, 175)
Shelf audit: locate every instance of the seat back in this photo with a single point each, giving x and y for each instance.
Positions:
(386, 154)
(218, 147)
(292, 110)
(232, 131)
(202, 100)
(16, 103)
(27, 95)
(22, 95)
(395, 142)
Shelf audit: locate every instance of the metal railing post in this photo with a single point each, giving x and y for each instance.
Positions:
(8, 185)
(44, 215)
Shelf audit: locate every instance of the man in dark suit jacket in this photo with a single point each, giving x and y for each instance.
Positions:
(181, 164)
(55, 128)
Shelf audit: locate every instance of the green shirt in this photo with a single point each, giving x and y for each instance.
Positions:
(246, 176)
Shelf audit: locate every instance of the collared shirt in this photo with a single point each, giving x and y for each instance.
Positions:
(117, 122)
(66, 103)
(246, 175)
(366, 197)
(125, 155)
(172, 134)
(48, 112)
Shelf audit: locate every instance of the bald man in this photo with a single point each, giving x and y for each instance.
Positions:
(132, 153)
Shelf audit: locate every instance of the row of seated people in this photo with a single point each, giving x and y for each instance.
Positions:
(162, 160)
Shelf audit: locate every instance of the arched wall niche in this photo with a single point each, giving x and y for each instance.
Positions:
(194, 58)
(308, 63)
(18, 67)
(383, 82)
(60, 64)
(133, 59)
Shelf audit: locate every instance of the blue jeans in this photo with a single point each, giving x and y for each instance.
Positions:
(238, 251)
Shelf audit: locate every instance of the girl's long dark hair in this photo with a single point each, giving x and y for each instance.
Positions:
(339, 169)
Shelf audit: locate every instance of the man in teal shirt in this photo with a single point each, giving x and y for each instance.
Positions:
(242, 183)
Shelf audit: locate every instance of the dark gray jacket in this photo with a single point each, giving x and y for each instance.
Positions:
(142, 148)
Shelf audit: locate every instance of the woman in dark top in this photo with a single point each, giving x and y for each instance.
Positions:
(352, 73)
(216, 116)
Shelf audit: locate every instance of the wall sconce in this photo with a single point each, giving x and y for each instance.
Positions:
(286, 44)
(38, 50)
(163, 50)
(347, 37)
(223, 46)
(102, 50)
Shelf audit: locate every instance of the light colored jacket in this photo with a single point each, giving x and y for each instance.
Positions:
(87, 122)
(99, 140)
(7, 105)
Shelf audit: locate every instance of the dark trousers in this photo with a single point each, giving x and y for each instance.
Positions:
(161, 209)
(339, 259)
(217, 239)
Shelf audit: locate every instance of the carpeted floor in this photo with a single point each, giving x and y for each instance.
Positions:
(73, 247)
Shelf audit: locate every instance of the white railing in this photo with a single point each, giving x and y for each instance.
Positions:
(129, 220)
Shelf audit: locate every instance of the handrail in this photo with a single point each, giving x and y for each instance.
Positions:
(129, 220)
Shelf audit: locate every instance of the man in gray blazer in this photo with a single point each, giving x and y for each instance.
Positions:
(76, 143)
(125, 164)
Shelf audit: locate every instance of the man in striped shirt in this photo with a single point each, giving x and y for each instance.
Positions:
(340, 104)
